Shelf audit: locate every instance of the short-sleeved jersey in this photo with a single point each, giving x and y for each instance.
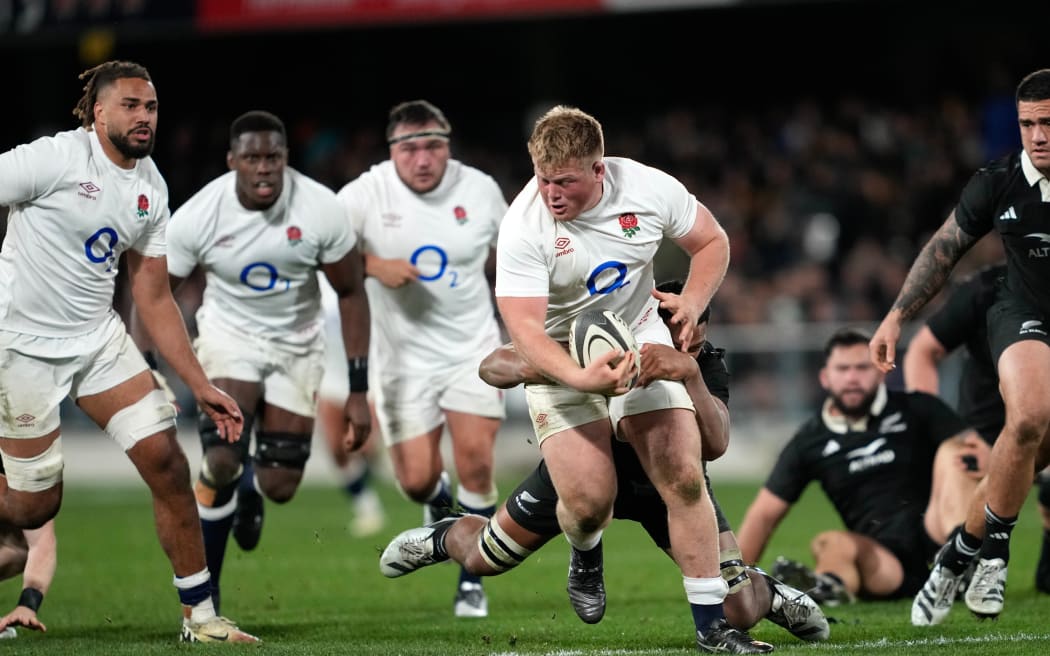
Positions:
(73, 212)
(1006, 196)
(601, 259)
(962, 321)
(446, 316)
(877, 476)
(260, 265)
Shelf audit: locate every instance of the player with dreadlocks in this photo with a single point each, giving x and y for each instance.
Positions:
(78, 201)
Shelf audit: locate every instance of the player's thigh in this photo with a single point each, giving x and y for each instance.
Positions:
(417, 461)
(881, 572)
(555, 409)
(36, 374)
(581, 467)
(1020, 345)
(119, 393)
(407, 404)
(1024, 384)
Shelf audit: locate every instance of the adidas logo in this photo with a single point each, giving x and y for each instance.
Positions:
(999, 536)
(831, 447)
(1008, 215)
(1032, 326)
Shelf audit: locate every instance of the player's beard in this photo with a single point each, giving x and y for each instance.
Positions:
(859, 409)
(132, 151)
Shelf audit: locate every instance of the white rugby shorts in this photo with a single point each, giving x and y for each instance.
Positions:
(411, 404)
(290, 376)
(556, 408)
(37, 373)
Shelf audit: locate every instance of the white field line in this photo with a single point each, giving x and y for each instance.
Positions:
(884, 643)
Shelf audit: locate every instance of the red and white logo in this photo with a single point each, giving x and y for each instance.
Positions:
(541, 420)
(143, 208)
(629, 224)
(460, 214)
(295, 235)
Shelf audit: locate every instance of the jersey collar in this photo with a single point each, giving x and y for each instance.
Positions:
(841, 424)
(1033, 176)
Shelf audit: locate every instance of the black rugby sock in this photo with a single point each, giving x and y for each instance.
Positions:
(997, 535)
(959, 550)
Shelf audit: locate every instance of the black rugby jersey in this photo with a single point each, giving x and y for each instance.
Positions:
(1000, 197)
(962, 322)
(878, 478)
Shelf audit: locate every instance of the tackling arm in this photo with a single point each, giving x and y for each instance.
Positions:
(708, 247)
(524, 318)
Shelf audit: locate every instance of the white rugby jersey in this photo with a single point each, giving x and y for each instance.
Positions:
(446, 316)
(73, 212)
(601, 259)
(260, 265)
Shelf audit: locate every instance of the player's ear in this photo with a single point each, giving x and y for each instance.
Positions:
(229, 159)
(824, 377)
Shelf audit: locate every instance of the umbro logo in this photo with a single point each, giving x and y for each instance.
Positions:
(1008, 215)
(88, 190)
(563, 246)
(831, 447)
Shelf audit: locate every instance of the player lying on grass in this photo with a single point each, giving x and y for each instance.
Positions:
(528, 520)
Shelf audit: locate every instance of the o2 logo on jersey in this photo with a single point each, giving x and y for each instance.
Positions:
(607, 277)
(432, 262)
(99, 247)
(263, 276)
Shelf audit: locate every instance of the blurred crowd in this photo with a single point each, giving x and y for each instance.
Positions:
(826, 204)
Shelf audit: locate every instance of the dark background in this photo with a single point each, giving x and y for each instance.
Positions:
(488, 75)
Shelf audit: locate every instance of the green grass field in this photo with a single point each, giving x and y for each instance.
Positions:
(312, 589)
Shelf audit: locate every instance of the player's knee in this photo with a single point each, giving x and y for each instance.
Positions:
(687, 486)
(588, 513)
(150, 415)
(1029, 425)
(830, 541)
(280, 458)
(417, 484)
(279, 484)
(223, 465)
(33, 511)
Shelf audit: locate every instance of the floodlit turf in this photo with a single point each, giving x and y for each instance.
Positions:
(312, 589)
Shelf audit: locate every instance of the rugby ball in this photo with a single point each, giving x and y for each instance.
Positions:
(595, 332)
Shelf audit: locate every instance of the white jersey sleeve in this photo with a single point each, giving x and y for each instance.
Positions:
(30, 171)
